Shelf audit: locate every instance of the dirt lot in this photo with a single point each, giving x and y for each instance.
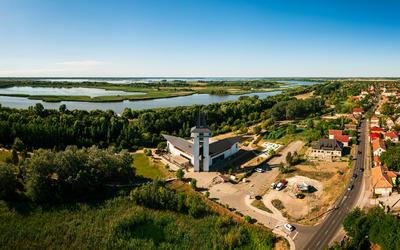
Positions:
(327, 180)
(292, 147)
(304, 96)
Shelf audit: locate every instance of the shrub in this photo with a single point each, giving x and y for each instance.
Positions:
(180, 174)
(8, 180)
(278, 204)
(193, 183)
(247, 219)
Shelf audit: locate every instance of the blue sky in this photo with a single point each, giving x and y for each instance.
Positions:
(199, 38)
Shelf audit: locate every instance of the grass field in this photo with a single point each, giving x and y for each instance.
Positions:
(147, 168)
(120, 224)
(4, 155)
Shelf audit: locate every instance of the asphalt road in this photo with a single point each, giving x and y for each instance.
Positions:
(325, 232)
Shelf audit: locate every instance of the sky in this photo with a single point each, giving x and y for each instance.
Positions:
(199, 38)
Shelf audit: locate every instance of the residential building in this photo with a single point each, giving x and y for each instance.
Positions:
(377, 130)
(333, 132)
(345, 139)
(326, 149)
(374, 136)
(382, 181)
(374, 121)
(392, 136)
(378, 147)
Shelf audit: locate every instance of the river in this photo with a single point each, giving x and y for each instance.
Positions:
(118, 107)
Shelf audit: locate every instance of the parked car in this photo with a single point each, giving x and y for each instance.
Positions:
(300, 196)
(350, 187)
(354, 177)
(260, 170)
(279, 186)
(273, 185)
(289, 227)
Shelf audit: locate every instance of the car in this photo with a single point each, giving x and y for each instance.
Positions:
(279, 186)
(260, 170)
(289, 227)
(300, 196)
(359, 152)
(273, 185)
(350, 187)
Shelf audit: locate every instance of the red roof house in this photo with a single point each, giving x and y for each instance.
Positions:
(358, 111)
(377, 130)
(343, 139)
(392, 135)
(374, 136)
(334, 132)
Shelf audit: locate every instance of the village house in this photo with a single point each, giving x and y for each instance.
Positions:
(378, 147)
(326, 149)
(392, 136)
(389, 123)
(345, 139)
(377, 161)
(350, 126)
(358, 112)
(377, 130)
(374, 121)
(334, 132)
(374, 136)
(382, 181)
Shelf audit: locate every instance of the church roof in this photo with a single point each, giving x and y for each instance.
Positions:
(215, 148)
(180, 143)
(222, 145)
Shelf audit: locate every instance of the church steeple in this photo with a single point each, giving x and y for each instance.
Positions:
(200, 134)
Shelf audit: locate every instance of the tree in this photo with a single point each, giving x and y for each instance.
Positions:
(193, 184)
(310, 124)
(256, 129)
(38, 108)
(18, 144)
(247, 219)
(14, 157)
(180, 174)
(62, 108)
(289, 159)
(8, 181)
(161, 146)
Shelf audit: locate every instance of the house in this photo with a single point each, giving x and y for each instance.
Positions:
(377, 130)
(374, 121)
(382, 181)
(350, 126)
(389, 123)
(392, 136)
(326, 149)
(378, 147)
(198, 152)
(358, 111)
(333, 132)
(345, 139)
(374, 136)
(377, 161)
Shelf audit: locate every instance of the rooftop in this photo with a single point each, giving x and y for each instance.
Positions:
(328, 144)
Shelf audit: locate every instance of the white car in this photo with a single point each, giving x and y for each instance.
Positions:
(259, 170)
(289, 227)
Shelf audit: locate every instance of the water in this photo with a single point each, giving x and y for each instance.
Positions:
(92, 92)
(118, 107)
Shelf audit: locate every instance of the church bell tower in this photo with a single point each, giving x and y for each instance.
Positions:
(201, 134)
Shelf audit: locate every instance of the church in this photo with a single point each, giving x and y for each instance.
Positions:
(198, 151)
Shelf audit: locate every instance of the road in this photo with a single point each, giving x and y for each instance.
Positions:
(325, 232)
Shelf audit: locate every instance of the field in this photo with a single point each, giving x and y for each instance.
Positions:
(148, 168)
(4, 155)
(119, 224)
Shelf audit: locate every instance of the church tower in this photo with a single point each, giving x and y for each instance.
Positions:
(201, 134)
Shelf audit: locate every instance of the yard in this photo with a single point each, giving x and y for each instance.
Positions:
(148, 167)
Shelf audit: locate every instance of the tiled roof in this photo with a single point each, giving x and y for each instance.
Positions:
(342, 138)
(380, 179)
(335, 132)
(392, 134)
(378, 143)
(328, 144)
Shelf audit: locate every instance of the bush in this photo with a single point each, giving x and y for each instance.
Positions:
(8, 181)
(247, 219)
(278, 204)
(193, 183)
(180, 174)
(157, 196)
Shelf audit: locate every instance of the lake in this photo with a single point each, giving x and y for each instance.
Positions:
(118, 107)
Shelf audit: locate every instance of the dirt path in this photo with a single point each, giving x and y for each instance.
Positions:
(292, 147)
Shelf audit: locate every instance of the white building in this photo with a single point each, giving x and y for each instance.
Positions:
(198, 152)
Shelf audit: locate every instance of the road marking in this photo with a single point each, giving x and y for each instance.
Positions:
(318, 242)
(295, 235)
(326, 232)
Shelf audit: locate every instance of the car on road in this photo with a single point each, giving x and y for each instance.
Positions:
(350, 187)
(300, 196)
(260, 170)
(354, 177)
(289, 227)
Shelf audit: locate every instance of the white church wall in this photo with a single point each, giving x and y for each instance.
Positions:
(175, 151)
